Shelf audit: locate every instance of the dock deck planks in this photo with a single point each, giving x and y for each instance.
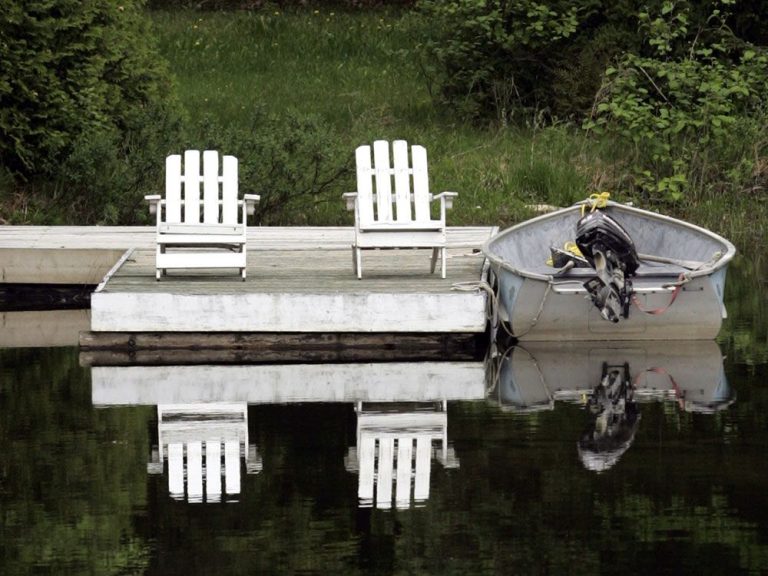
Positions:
(300, 280)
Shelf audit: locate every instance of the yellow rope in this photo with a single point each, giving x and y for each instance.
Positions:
(569, 246)
(596, 201)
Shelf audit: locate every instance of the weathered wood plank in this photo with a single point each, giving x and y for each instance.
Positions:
(276, 383)
(42, 329)
(299, 280)
(112, 348)
(281, 312)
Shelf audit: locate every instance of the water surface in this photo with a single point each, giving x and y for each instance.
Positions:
(513, 466)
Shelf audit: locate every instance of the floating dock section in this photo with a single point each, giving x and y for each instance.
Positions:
(299, 281)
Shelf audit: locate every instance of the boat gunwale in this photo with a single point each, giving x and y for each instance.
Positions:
(705, 270)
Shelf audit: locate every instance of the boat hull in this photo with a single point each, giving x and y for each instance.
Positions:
(532, 377)
(538, 304)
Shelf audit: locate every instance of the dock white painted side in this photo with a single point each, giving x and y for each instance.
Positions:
(282, 383)
(288, 312)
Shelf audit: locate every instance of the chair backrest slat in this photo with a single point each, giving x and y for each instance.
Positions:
(176, 469)
(402, 181)
(173, 189)
(384, 472)
(229, 190)
(404, 471)
(411, 200)
(210, 187)
(423, 468)
(213, 470)
(192, 187)
(232, 466)
(383, 176)
(195, 471)
(364, 184)
(420, 184)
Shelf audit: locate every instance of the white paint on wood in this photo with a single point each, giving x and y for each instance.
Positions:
(176, 469)
(275, 383)
(193, 433)
(83, 254)
(458, 312)
(213, 470)
(404, 471)
(423, 468)
(189, 230)
(232, 466)
(195, 471)
(385, 464)
(84, 265)
(395, 434)
(366, 450)
(375, 224)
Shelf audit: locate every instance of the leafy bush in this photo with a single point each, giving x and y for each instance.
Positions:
(258, 4)
(524, 59)
(487, 56)
(291, 161)
(691, 109)
(84, 102)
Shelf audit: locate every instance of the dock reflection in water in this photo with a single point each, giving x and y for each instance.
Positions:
(401, 410)
(610, 380)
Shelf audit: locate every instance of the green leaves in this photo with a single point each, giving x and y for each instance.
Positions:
(493, 57)
(690, 92)
(82, 83)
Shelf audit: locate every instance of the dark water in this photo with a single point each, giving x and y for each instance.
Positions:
(521, 465)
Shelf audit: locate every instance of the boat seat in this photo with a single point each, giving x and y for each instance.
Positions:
(646, 270)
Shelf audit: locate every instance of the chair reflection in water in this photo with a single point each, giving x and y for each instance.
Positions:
(203, 443)
(395, 446)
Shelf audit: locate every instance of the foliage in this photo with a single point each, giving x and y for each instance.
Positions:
(271, 4)
(681, 105)
(85, 99)
(494, 55)
(290, 160)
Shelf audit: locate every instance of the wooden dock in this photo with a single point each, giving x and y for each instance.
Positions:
(300, 281)
(293, 288)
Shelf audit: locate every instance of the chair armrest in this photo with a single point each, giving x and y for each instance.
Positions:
(446, 197)
(351, 198)
(250, 203)
(154, 200)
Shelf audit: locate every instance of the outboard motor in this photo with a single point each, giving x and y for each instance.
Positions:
(611, 252)
(614, 420)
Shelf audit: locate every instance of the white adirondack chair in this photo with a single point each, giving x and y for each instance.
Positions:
(188, 237)
(399, 219)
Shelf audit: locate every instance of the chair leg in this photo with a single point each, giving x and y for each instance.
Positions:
(242, 273)
(158, 272)
(443, 262)
(359, 263)
(434, 260)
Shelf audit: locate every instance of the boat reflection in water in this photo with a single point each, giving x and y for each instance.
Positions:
(611, 380)
(202, 420)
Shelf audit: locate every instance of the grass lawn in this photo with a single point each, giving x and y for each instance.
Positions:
(358, 73)
(353, 70)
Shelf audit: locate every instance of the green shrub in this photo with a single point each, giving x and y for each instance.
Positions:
(691, 110)
(520, 60)
(84, 101)
(290, 160)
